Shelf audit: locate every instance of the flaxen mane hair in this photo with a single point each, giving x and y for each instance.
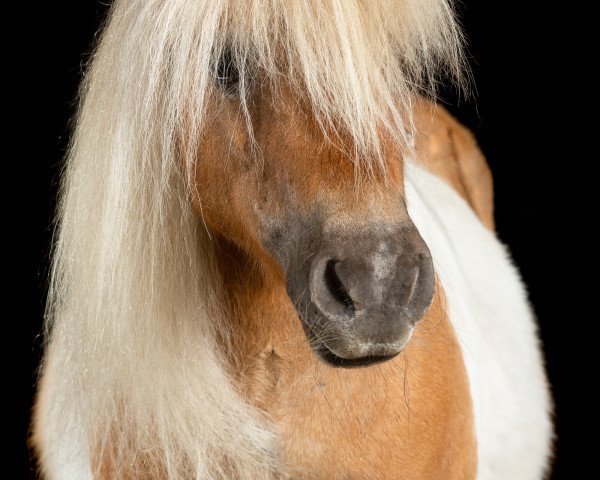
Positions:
(134, 308)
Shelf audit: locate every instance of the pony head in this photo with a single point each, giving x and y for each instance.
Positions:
(289, 195)
(300, 160)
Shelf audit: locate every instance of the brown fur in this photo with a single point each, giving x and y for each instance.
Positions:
(450, 151)
(294, 169)
(410, 417)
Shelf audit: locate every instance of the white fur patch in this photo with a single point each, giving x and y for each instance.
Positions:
(495, 326)
(59, 429)
(67, 456)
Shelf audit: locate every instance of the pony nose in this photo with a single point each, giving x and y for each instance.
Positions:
(376, 294)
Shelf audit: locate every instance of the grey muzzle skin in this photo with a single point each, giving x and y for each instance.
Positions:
(359, 297)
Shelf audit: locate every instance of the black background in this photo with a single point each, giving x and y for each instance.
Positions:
(519, 113)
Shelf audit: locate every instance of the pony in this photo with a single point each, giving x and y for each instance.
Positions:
(275, 257)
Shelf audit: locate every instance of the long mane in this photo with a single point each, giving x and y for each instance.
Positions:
(134, 309)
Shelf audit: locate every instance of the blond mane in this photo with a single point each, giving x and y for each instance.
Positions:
(134, 308)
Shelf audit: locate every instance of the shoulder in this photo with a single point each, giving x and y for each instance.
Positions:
(449, 150)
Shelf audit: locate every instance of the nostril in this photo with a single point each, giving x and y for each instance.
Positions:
(336, 287)
(409, 286)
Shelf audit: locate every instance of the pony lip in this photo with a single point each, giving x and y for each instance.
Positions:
(326, 354)
(333, 360)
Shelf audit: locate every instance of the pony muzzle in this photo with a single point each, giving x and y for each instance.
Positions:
(366, 295)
